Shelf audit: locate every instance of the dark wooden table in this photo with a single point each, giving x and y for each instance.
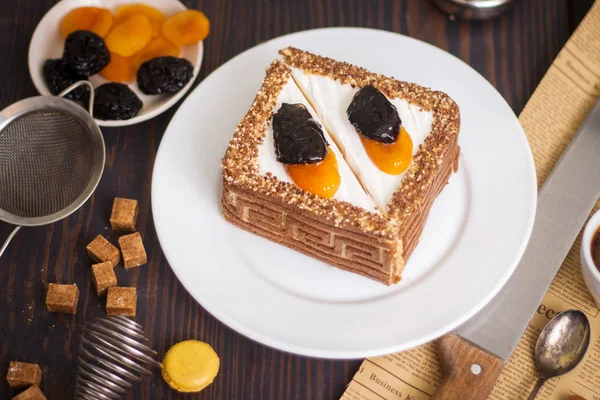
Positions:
(512, 52)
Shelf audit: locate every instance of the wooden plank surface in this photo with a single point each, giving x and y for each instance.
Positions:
(512, 52)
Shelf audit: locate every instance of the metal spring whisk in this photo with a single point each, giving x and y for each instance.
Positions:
(112, 354)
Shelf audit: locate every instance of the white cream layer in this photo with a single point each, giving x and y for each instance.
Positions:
(331, 99)
(350, 189)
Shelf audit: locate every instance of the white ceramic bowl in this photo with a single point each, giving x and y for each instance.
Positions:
(591, 275)
(46, 43)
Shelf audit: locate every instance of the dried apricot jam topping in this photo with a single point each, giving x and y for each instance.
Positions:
(301, 146)
(391, 158)
(321, 178)
(378, 124)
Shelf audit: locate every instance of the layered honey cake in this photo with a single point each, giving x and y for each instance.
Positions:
(340, 163)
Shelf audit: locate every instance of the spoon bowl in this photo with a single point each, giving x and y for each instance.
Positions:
(561, 346)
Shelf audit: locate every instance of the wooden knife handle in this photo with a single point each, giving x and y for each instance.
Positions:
(469, 371)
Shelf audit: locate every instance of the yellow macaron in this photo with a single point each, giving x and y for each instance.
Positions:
(190, 366)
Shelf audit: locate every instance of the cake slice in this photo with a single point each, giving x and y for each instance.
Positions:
(346, 231)
(431, 119)
(354, 230)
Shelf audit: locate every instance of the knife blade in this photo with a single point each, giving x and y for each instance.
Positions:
(473, 356)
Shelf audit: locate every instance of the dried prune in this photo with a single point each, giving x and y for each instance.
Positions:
(86, 53)
(59, 76)
(298, 137)
(164, 75)
(374, 116)
(116, 101)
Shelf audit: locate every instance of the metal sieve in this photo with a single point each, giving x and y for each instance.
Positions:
(51, 159)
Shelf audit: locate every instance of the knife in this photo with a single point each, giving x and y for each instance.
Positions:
(473, 356)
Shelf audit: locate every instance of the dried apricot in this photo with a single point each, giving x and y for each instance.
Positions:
(186, 27)
(159, 47)
(118, 70)
(391, 158)
(95, 19)
(322, 178)
(130, 36)
(155, 16)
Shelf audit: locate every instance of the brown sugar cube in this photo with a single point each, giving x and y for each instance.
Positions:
(33, 393)
(133, 250)
(62, 298)
(124, 214)
(21, 375)
(121, 300)
(101, 250)
(104, 277)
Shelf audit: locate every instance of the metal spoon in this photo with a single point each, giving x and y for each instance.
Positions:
(561, 345)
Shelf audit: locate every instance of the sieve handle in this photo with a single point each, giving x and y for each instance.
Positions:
(8, 239)
(75, 86)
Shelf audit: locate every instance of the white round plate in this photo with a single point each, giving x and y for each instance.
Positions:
(47, 42)
(475, 235)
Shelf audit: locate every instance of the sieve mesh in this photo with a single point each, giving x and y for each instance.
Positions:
(46, 162)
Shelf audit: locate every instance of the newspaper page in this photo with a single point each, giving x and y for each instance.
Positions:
(571, 85)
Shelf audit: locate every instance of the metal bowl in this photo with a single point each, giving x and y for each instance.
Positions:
(473, 9)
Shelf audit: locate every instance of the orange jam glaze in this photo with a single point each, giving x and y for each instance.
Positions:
(322, 178)
(392, 158)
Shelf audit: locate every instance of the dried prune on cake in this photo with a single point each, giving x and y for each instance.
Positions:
(298, 137)
(116, 101)
(85, 52)
(164, 75)
(59, 76)
(374, 116)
